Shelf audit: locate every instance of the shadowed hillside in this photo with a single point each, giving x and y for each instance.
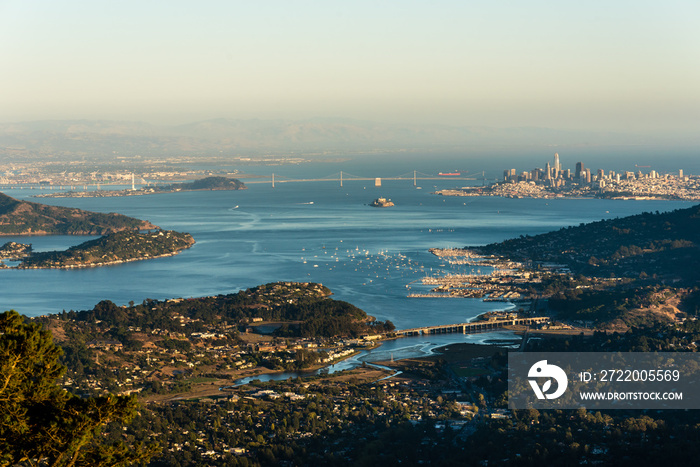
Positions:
(28, 218)
(647, 244)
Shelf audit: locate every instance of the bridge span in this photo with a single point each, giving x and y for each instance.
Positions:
(346, 177)
(470, 328)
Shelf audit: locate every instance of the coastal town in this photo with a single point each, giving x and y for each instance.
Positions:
(171, 344)
(177, 360)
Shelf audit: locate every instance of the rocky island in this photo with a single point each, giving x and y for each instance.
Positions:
(382, 203)
(26, 218)
(115, 248)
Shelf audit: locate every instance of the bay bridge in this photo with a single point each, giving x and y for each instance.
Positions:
(341, 177)
(338, 177)
(471, 328)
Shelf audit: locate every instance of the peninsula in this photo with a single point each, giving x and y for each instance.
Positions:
(115, 248)
(27, 218)
(280, 326)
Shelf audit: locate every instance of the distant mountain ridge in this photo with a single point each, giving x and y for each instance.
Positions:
(107, 138)
(27, 218)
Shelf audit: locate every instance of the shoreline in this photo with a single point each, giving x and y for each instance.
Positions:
(186, 242)
(97, 265)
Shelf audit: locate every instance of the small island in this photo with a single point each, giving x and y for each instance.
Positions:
(382, 203)
(115, 248)
(208, 183)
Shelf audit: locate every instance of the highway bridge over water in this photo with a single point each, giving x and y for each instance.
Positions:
(474, 327)
(341, 177)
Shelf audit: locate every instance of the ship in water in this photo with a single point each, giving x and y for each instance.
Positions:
(382, 203)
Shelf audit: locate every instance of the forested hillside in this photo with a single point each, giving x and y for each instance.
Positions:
(662, 244)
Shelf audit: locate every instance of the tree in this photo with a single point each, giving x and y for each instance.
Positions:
(40, 422)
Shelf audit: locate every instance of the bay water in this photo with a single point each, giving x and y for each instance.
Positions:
(309, 232)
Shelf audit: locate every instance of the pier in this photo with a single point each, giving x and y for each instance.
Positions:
(471, 328)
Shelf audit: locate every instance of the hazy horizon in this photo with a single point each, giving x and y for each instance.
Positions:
(621, 67)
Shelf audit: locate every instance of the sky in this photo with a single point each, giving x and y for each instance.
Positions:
(595, 65)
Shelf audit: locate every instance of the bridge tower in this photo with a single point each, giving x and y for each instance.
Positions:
(414, 178)
(273, 180)
(341, 178)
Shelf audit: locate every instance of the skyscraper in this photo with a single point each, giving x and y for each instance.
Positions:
(579, 168)
(557, 166)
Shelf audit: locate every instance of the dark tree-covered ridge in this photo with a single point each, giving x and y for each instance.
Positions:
(663, 244)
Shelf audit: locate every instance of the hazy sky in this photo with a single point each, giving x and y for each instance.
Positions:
(618, 65)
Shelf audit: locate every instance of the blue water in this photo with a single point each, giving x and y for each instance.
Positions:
(368, 256)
